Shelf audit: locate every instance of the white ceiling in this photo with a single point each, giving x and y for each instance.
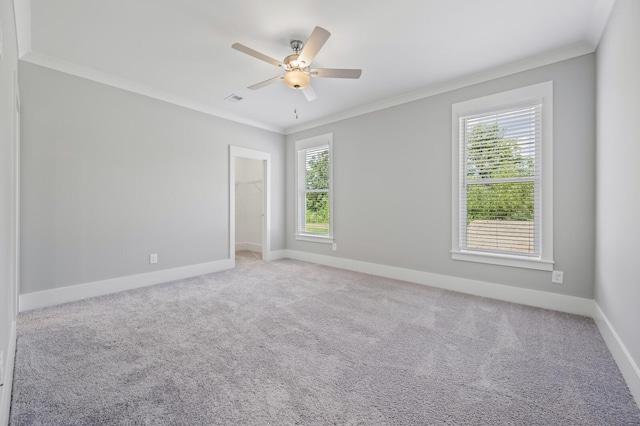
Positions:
(180, 50)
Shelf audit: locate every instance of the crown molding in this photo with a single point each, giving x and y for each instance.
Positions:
(22, 16)
(134, 87)
(558, 55)
(596, 25)
(598, 20)
(573, 51)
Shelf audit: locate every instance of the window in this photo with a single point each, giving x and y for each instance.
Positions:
(314, 199)
(502, 178)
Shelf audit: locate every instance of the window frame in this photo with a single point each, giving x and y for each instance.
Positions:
(304, 145)
(542, 92)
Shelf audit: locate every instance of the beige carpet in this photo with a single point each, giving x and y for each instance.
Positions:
(289, 342)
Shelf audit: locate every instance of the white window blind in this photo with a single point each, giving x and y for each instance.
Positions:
(313, 210)
(500, 181)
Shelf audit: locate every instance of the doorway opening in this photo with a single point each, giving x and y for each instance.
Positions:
(249, 204)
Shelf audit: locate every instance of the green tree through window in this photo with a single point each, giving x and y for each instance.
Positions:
(317, 194)
(491, 156)
(500, 184)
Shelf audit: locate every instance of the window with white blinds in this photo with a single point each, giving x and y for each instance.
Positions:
(314, 189)
(499, 179)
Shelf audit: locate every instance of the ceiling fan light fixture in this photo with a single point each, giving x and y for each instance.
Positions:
(297, 79)
(297, 66)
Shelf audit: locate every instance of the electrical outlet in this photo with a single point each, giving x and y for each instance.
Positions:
(153, 258)
(557, 277)
(1, 368)
(335, 247)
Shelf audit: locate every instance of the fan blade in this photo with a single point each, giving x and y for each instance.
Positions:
(266, 83)
(335, 73)
(309, 93)
(317, 39)
(249, 51)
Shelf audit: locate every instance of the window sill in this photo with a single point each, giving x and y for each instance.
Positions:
(314, 238)
(503, 260)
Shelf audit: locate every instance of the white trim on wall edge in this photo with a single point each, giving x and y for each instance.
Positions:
(547, 58)
(73, 293)
(135, 87)
(5, 401)
(568, 52)
(523, 296)
(628, 367)
(255, 247)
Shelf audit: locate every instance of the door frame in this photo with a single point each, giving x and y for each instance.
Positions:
(16, 196)
(239, 152)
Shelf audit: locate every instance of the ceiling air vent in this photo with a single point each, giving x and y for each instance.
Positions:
(233, 98)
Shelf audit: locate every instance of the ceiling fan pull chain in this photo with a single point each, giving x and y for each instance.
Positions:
(295, 104)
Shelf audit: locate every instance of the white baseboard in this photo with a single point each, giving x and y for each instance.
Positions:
(628, 367)
(241, 246)
(277, 254)
(254, 247)
(72, 293)
(557, 302)
(523, 296)
(5, 390)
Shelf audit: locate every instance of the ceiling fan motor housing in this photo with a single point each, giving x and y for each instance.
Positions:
(291, 61)
(296, 76)
(296, 45)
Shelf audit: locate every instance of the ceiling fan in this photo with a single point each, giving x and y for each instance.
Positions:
(297, 66)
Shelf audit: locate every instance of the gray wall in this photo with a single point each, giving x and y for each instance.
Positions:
(618, 188)
(8, 64)
(109, 177)
(392, 177)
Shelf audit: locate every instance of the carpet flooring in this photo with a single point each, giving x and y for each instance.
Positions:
(289, 342)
